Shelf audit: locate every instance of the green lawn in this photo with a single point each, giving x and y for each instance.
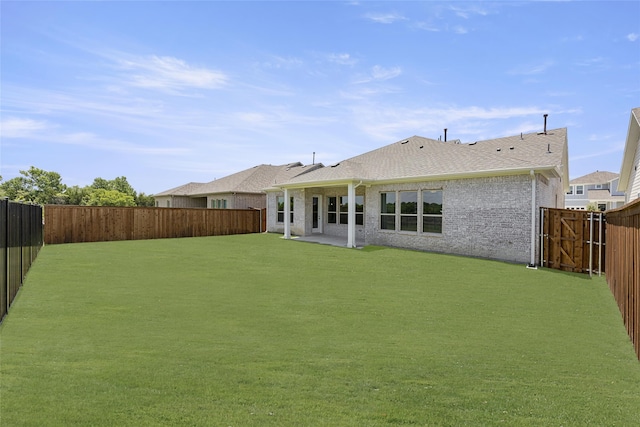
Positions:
(254, 330)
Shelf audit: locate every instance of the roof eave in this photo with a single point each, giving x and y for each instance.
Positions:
(631, 145)
(549, 171)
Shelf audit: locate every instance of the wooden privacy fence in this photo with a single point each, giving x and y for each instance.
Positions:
(572, 240)
(75, 224)
(623, 270)
(20, 242)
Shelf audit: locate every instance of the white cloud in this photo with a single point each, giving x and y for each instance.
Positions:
(169, 73)
(15, 127)
(632, 37)
(532, 69)
(342, 59)
(467, 12)
(280, 62)
(379, 73)
(385, 18)
(458, 29)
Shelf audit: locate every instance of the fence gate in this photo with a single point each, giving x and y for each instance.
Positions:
(572, 240)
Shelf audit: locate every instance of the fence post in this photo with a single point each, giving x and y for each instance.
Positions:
(5, 245)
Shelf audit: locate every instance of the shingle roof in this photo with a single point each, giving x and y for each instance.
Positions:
(418, 157)
(182, 190)
(597, 177)
(252, 180)
(603, 196)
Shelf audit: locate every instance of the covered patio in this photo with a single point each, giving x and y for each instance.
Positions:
(324, 239)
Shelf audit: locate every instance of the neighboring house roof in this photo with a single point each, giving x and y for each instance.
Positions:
(252, 180)
(182, 190)
(423, 158)
(597, 177)
(630, 149)
(603, 196)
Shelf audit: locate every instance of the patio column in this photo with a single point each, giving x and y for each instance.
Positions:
(287, 215)
(351, 215)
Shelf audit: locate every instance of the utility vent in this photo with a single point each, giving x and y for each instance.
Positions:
(405, 141)
(336, 165)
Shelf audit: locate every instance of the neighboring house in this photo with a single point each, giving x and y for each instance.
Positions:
(630, 170)
(241, 190)
(479, 199)
(598, 189)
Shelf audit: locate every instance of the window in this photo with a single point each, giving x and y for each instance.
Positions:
(579, 189)
(409, 211)
(280, 202)
(332, 210)
(344, 209)
(570, 190)
(432, 211)
(168, 203)
(360, 210)
(388, 211)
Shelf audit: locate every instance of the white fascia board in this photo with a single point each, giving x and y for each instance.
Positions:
(327, 183)
(548, 171)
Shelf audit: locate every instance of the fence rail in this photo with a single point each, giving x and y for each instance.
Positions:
(20, 241)
(76, 224)
(623, 271)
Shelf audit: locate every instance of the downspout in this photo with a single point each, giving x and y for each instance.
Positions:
(532, 262)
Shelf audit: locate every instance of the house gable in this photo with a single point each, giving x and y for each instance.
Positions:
(630, 169)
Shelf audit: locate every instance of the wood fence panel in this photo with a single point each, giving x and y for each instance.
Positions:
(623, 272)
(572, 240)
(71, 224)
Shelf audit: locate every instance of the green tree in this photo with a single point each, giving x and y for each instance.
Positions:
(102, 197)
(36, 186)
(76, 194)
(119, 184)
(145, 200)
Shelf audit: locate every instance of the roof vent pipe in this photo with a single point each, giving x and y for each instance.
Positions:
(545, 123)
(445, 134)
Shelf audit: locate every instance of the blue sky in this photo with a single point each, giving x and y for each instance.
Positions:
(167, 93)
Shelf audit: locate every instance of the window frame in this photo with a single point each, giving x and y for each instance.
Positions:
(431, 214)
(408, 213)
(280, 213)
(332, 209)
(385, 214)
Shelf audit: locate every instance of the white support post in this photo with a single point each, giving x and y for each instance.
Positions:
(287, 215)
(351, 228)
(533, 220)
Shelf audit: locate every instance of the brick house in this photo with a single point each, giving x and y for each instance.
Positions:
(476, 199)
(241, 190)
